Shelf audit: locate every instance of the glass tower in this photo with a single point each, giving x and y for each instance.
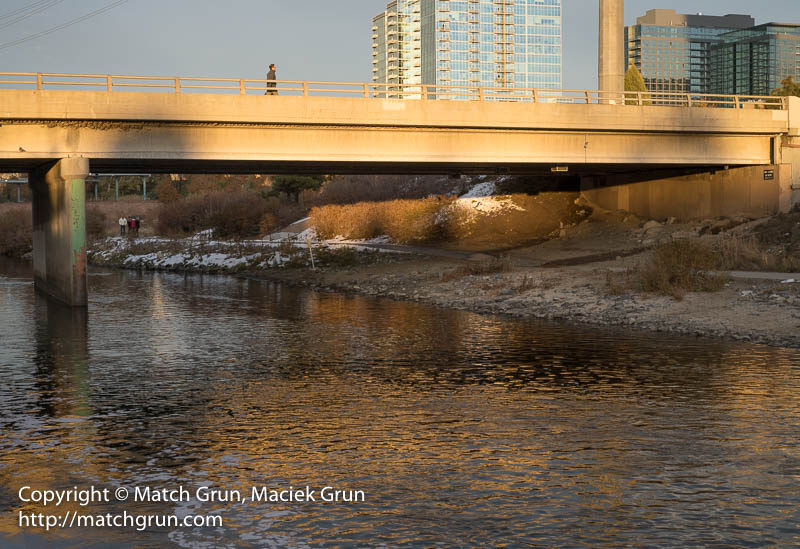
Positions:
(754, 61)
(672, 50)
(474, 43)
(396, 44)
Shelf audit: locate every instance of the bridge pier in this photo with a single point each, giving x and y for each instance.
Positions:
(59, 230)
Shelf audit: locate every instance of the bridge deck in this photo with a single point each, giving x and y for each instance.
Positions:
(215, 133)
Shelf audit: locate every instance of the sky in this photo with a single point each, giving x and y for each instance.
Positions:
(308, 39)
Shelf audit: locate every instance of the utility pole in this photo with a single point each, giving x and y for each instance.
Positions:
(611, 52)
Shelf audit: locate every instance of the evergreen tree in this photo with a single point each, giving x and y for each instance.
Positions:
(293, 185)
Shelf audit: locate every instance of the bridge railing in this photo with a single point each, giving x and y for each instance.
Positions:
(372, 90)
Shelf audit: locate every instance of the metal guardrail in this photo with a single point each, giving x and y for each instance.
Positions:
(305, 88)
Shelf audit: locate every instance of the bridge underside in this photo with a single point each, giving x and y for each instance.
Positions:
(100, 166)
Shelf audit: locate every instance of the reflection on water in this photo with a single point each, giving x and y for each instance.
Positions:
(463, 430)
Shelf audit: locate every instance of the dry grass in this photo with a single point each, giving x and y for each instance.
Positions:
(737, 253)
(526, 219)
(683, 266)
(679, 267)
(500, 264)
(405, 221)
(354, 221)
(527, 284)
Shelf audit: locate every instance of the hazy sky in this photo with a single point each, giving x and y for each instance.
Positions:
(307, 39)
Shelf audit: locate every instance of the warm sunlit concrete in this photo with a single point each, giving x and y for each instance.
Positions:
(725, 193)
(611, 51)
(164, 132)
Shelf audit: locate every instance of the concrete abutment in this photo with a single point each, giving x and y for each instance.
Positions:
(753, 191)
(59, 230)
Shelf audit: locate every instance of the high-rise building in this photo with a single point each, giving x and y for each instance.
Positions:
(754, 61)
(396, 48)
(672, 50)
(474, 43)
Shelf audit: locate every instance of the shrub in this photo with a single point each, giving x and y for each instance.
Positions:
(353, 189)
(95, 222)
(681, 266)
(166, 191)
(294, 185)
(231, 214)
(235, 214)
(203, 186)
(16, 237)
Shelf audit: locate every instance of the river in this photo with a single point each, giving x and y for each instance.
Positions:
(458, 429)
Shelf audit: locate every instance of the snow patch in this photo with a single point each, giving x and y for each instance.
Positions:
(487, 188)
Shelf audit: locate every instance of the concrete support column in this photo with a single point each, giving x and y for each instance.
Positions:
(59, 230)
(790, 157)
(611, 52)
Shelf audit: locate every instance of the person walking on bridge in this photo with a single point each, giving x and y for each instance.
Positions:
(272, 86)
(123, 224)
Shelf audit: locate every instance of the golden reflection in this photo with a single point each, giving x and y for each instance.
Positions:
(281, 386)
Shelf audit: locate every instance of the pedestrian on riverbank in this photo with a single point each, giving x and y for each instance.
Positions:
(122, 224)
(272, 86)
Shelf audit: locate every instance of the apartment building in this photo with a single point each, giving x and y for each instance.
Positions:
(474, 43)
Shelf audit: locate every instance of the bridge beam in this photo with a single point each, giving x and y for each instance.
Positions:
(59, 230)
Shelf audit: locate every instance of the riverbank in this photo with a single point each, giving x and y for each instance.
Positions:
(578, 277)
(765, 311)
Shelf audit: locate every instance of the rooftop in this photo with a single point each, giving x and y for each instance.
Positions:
(671, 18)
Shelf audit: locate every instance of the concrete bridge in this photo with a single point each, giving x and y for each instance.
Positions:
(58, 128)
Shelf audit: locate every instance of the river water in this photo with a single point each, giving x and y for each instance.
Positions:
(460, 430)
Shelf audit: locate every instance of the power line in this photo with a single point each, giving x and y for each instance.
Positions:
(26, 8)
(63, 26)
(49, 4)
